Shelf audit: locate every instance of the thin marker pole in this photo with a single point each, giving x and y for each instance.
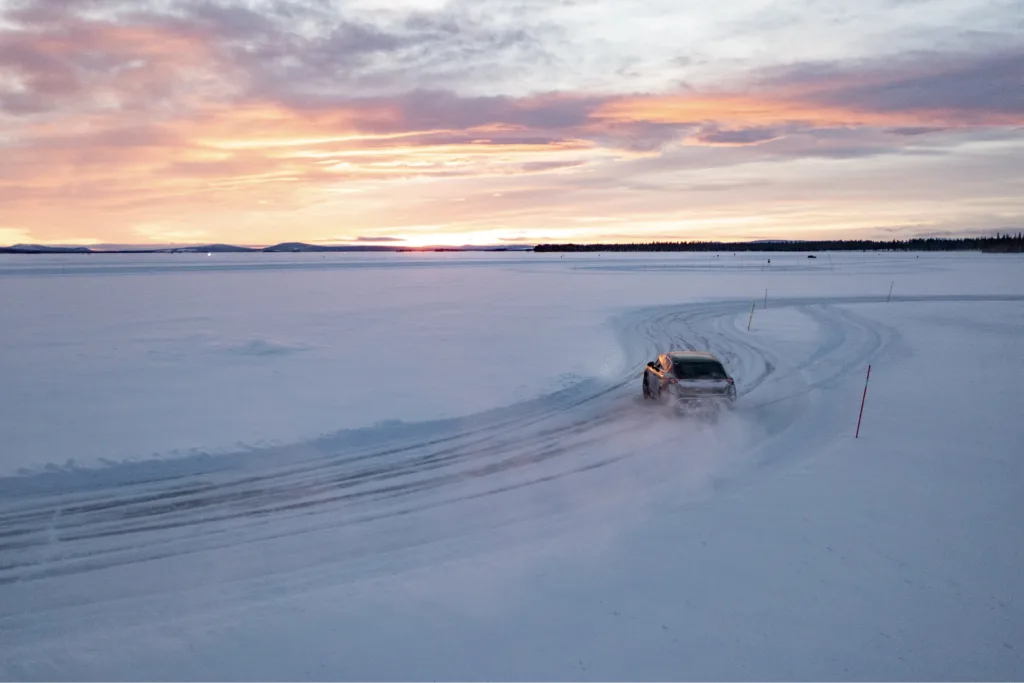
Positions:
(751, 318)
(890, 291)
(862, 399)
(766, 297)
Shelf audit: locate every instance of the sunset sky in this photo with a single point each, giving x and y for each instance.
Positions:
(494, 121)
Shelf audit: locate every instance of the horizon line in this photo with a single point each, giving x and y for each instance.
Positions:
(393, 245)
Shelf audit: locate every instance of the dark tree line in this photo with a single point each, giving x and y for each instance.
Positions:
(1000, 243)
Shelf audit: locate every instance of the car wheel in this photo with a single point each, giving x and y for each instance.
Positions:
(655, 393)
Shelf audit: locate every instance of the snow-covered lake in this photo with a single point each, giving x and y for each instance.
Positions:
(423, 466)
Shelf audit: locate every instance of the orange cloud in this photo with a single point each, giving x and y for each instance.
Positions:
(151, 128)
(769, 109)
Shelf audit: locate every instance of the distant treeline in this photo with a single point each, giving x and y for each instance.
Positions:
(997, 244)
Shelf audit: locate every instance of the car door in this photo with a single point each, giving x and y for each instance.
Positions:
(651, 377)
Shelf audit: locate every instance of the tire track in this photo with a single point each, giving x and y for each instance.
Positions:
(330, 484)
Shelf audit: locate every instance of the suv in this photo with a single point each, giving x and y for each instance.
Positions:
(690, 378)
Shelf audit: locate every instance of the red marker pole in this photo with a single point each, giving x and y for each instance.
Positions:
(862, 399)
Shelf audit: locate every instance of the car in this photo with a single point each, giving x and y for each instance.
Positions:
(690, 380)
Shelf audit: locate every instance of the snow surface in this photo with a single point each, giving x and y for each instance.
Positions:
(439, 466)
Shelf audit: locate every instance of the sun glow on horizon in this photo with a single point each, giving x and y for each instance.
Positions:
(149, 122)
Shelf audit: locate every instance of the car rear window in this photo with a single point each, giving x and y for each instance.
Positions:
(689, 368)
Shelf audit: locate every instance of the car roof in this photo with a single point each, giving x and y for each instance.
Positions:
(692, 354)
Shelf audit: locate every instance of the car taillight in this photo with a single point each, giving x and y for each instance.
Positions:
(729, 380)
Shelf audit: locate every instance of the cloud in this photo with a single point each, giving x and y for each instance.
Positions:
(526, 239)
(439, 109)
(301, 54)
(187, 114)
(959, 88)
(912, 131)
(58, 60)
(712, 135)
(370, 238)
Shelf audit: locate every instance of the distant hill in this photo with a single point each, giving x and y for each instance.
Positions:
(284, 247)
(125, 249)
(212, 248)
(302, 246)
(43, 249)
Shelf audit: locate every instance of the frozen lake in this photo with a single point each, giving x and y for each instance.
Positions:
(439, 465)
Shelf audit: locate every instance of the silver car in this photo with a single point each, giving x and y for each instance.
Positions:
(690, 379)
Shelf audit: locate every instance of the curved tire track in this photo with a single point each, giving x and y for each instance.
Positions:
(335, 482)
